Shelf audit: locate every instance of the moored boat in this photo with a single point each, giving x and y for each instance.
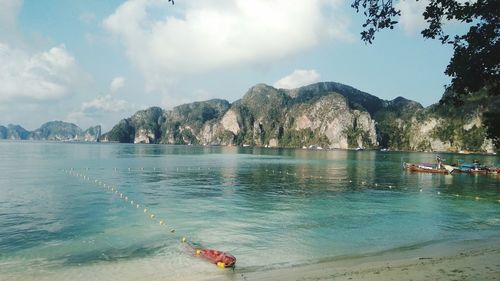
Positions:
(474, 168)
(425, 168)
(450, 168)
(471, 168)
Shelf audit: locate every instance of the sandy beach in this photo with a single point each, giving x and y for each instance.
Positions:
(476, 260)
(465, 260)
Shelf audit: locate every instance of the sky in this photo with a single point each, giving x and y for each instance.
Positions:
(95, 62)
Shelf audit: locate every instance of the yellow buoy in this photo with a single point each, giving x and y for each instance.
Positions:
(198, 252)
(152, 216)
(221, 265)
(183, 240)
(162, 222)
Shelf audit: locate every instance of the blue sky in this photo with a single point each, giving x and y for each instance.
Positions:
(96, 62)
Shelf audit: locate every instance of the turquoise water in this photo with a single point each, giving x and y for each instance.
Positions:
(268, 207)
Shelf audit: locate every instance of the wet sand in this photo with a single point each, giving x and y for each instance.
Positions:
(460, 260)
(464, 260)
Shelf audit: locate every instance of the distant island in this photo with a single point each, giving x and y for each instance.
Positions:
(53, 131)
(321, 115)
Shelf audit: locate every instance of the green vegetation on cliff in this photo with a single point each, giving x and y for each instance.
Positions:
(324, 114)
(122, 132)
(125, 131)
(464, 126)
(394, 122)
(304, 137)
(57, 130)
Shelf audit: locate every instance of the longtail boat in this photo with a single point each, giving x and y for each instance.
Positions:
(474, 168)
(425, 168)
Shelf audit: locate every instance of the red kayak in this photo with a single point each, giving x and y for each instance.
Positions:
(221, 259)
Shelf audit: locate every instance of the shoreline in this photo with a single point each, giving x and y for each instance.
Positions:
(457, 260)
(468, 153)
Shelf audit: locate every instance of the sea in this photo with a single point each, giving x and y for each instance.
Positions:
(109, 211)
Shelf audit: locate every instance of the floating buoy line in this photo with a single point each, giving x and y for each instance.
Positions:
(304, 176)
(219, 258)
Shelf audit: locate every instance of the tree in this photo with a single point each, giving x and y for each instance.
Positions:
(475, 63)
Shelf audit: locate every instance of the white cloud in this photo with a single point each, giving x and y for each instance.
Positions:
(218, 33)
(36, 77)
(412, 21)
(105, 110)
(298, 78)
(116, 84)
(106, 103)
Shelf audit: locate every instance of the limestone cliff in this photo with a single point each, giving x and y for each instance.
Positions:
(142, 127)
(439, 127)
(326, 114)
(332, 117)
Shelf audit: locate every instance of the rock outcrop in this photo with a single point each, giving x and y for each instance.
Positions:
(52, 131)
(326, 114)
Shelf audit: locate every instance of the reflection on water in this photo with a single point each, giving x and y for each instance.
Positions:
(296, 206)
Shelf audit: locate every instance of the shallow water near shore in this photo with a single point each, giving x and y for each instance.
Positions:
(270, 208)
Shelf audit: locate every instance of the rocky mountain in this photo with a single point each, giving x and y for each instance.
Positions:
(326, 114)
(14, 132)
(142, 127)
(439, 127)
(55, 130)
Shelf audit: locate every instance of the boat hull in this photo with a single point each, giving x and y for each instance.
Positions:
(412, 167)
